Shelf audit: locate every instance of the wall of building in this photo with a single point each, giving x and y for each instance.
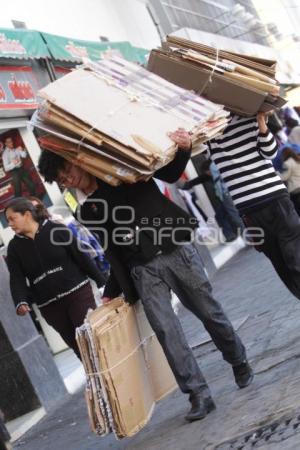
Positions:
(280, 14)
(212, 16)
(119, 20)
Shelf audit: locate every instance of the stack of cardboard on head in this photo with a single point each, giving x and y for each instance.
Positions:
(113, 118)
(244, 84)
(126, 369)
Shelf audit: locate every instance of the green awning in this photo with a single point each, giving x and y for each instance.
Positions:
(141, 55)
(22, 44)
(73, 50)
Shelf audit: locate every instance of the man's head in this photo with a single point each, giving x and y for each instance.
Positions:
(53, 167)
(9, 143)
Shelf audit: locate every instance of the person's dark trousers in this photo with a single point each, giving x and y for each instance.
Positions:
(295, 197)
(194, 200)
(182, 271)
(281, 243)
(224, 223)
(68, 313)
(19, 175)
(233, 214)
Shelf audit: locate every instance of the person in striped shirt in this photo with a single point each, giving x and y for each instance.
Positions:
(243, 156)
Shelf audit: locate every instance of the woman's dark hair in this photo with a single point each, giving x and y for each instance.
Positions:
(49, 165)
(288, 152)
(40, 207)
(22, 205)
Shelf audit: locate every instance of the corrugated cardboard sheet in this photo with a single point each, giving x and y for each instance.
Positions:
(123, 113)
(244, 84)
(126, 369)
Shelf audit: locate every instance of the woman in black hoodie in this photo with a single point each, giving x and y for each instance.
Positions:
(47, 267)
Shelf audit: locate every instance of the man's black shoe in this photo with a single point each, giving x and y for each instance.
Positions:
(243, 374)
(200, 407)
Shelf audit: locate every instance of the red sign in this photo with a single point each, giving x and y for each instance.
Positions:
(61, 71)
(18, 87)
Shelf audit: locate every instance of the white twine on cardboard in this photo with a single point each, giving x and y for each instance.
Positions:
(133, 97)
(141, 344)
(210, 78)
(84, 137)
(138, 97)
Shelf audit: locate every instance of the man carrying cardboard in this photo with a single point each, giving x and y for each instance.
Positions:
(243, 156)
(148, 244)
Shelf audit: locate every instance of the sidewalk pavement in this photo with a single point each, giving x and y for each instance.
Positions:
(266, 415)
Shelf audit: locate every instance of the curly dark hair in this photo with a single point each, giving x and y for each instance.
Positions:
(49, 165)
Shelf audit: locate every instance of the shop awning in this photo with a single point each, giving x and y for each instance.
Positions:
(22, 44)
(141, 55)
(73, 50)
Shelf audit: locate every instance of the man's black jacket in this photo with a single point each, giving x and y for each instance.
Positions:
(135, 222)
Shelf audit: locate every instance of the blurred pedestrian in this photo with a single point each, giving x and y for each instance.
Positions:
(47, 268)
(293, 129)
(291, 175)
(226, 213)
(243, 155)
(276, 126)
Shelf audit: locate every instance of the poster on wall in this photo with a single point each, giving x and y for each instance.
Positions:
(18, 175)
(18, 87)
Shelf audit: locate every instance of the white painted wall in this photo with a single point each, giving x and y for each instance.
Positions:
(119, 20)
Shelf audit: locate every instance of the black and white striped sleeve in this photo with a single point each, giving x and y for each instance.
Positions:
(267, 145)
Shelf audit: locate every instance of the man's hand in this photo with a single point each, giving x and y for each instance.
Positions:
(275, 91)
(23, 309)
(261, 121)
(181, 138)
(106, 300)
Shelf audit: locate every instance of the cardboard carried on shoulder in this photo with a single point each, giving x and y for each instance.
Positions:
(120, 109)
(243, 84)
(233, 95)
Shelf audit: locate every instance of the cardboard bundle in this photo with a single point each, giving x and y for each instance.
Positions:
(161, 376)
(113, 118)
(125, 367)
(244, 84)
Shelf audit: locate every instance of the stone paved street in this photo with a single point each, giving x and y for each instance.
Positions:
(251, 294)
